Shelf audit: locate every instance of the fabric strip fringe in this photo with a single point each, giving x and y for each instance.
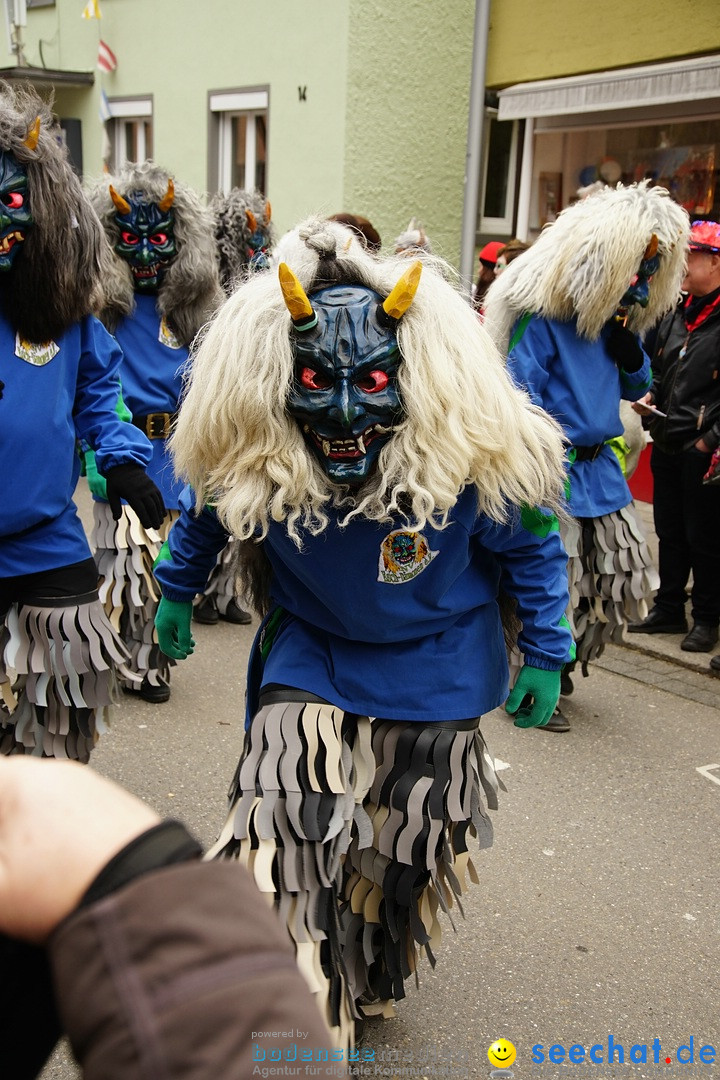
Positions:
(359, 830)
(58, 677)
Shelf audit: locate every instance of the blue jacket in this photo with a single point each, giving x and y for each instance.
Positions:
(388, 622)
(151, 381)
(56, 394)
(579, 384)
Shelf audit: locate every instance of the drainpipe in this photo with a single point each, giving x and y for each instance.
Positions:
(525, 191)
(473, 157)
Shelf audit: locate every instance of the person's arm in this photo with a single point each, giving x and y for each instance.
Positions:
(95, 412)
(182, 568)
(121, 449)
(533, 566)
(162, 965)
(631, 360)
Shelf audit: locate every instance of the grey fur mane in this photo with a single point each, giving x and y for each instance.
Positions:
(190, 290)
(55, 279)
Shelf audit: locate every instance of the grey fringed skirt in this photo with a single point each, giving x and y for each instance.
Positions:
(125, 553)
(360, 830)
(610, 577)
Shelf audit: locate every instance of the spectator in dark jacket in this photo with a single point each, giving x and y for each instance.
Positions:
(686, 430)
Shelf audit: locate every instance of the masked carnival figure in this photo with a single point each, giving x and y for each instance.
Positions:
(371, 451)
(244, 237)
(59, 654)
(568, 315)
(244, 234)
(163, 285)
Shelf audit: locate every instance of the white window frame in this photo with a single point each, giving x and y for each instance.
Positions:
(499, 225)
(129, 113)
(225, 107)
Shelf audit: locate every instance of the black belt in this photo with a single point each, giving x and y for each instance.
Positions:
(156, 425)
(588, 453)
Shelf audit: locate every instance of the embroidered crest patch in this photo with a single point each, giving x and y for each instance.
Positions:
(166, 336)
(403, 555)
(34, 353)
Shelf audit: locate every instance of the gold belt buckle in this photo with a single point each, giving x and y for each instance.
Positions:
(157, 418)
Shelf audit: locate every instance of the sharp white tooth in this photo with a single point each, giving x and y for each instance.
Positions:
(360, 444)
(326, 447)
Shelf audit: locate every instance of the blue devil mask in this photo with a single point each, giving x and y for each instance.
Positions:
(15, 216)
(638, 292)
(345, 395)
(147, 235)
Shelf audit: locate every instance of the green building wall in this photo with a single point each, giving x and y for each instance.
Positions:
(407, 114)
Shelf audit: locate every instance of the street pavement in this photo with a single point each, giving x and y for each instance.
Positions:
(596, 918)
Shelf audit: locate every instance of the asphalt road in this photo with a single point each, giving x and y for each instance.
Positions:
(596, 918)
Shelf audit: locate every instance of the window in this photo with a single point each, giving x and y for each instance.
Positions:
(129, 130)
(238, 156)
(497, 201)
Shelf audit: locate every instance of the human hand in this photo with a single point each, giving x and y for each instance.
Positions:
(60, 824)
(543, 691)
(624, 347)
(131, 482)
(172, 623)
(640, 406)
(96, 482)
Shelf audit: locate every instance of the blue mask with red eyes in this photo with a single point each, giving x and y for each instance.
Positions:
(638, 291)
(147, 240)
(15, 216)
(344, 394)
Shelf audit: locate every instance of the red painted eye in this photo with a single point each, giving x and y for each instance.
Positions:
(13, 200)
(158, 238)
(314, 380)
(130, 238)
(374, 382)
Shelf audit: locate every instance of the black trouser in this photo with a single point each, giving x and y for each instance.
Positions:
(687, 523)
(78, 580)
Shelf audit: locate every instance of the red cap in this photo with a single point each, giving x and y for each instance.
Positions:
(705, 236)
(489, 253)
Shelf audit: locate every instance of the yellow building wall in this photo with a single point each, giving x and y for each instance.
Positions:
(545, 39)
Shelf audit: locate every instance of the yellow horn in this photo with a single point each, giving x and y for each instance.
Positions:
(121, 205)
(33, 135)
(651, 249)
(268, 211)
(403, 294)
(296, 301)
(169, 198)
(252, 220)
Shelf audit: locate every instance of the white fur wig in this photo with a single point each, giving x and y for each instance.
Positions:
(582, 263)
(190, 290)
(465, 423)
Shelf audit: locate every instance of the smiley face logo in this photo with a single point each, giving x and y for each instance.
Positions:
(501, 1054)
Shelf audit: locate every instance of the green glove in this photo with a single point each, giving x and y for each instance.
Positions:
(543, 691)
(96, 482)
(172, 623)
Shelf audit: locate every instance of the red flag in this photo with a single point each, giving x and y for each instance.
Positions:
(107, 60)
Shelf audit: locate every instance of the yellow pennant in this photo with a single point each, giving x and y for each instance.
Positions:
(91, 10)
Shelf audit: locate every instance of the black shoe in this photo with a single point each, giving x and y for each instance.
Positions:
(149, 692)
(566, 684)
(715, 665)
(700, 639)
(154, 694)
(235, 614)
(557, 722)
(206, 611)
(658, 622)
